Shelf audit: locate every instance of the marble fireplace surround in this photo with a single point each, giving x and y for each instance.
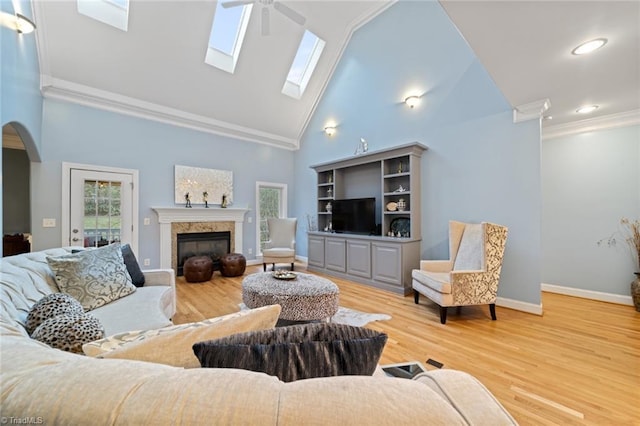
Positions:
(174, 220)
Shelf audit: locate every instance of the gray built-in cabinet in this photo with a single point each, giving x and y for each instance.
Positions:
(385, 257)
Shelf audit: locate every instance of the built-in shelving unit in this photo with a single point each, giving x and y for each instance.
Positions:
(385, 258)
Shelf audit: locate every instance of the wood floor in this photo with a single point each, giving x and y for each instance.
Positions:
(578, 364)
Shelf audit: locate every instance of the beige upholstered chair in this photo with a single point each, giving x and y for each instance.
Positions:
(281, 247)
(472, 273)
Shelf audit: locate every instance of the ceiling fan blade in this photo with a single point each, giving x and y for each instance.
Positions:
(265, 21)
(290, 13)
(235, 3)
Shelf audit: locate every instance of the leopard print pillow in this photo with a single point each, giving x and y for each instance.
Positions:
(50, 306)
(69, 332)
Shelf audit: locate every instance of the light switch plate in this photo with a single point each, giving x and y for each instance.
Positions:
(48, 222)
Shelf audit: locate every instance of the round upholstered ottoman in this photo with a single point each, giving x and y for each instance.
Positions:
(305, 298)
(233, 264)
(197, 269)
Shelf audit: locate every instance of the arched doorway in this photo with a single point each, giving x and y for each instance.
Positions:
(16, 193)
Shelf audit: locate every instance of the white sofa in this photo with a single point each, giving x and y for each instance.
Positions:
(151, 306)
(45, 385)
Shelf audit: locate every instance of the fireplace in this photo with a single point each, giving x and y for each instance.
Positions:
(212, 244)
(178, 220)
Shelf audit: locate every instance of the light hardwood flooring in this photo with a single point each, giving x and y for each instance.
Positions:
(578, 364)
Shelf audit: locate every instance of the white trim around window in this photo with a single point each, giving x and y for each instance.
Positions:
(66, 198)
(283, 207)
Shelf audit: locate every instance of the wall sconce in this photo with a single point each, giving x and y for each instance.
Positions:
(412, 101)
(330, 130)
(24, 25)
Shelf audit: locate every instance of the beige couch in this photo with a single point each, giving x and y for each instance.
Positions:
(49, 386)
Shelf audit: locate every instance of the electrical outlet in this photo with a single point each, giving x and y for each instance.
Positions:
(48, 223)
(249, 219)
(250, 251)
(146, 262)
(146, 221)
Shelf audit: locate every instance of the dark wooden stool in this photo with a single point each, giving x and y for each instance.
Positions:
(232, 264)
(197, 269)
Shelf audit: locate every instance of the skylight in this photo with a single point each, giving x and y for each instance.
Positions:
(110, 12)
(227, 34)
(303, 65)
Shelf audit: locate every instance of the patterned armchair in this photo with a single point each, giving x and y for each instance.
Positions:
(281, 247)
(472, 273)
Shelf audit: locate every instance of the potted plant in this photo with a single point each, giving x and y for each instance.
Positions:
(631, 229)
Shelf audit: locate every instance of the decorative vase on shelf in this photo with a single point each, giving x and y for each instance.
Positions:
(635, 291)
(402, 205)
(328, 207)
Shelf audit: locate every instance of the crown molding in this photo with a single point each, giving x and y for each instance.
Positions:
(53, 88)
(530, 111)
(623, 119)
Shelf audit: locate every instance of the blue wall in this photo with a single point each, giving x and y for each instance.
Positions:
(20, 87)
(79, 134)
(479, 166)
(589, 182)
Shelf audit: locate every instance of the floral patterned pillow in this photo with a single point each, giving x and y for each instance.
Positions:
(93, 277)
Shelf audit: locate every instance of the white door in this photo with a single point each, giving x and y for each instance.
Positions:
(101, 208)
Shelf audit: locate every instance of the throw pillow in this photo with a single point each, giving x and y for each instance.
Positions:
(173, 345)
(130, 261)
(297, 352)
(50, 306)
(469, 256)
(69, 332)
(94, 277)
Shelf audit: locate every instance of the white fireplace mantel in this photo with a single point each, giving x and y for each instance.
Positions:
(169, 215)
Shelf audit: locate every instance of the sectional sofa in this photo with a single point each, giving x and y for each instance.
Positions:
(44, 385)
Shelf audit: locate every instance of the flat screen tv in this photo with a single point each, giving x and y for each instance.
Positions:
(355, 216)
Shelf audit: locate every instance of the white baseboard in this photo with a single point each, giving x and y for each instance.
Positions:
(518, 305)
(588, 294)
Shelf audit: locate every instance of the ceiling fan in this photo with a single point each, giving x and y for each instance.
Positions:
(280, 7)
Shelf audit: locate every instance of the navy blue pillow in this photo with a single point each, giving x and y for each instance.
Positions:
(130, 261)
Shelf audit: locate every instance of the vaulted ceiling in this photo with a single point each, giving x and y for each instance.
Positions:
(156, 69)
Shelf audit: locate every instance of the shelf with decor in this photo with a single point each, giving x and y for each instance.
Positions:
(325, 195)
(384, 256)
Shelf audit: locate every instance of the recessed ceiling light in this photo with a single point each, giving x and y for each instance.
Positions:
(589, 46)
(587, 109)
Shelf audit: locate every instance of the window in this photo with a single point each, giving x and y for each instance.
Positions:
(271, 201)
(102, 216)
(227, 34)
(110, 12)
(303, 65)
